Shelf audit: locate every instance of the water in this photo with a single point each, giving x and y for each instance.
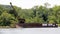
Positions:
(30, 31)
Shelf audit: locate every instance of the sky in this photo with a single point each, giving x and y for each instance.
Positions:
(29, 3)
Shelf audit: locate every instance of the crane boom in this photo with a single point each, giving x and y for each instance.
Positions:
(13, 11)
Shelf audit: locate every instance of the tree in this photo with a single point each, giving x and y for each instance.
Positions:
(5, 19)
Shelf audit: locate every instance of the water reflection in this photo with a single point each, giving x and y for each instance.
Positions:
(30, 31)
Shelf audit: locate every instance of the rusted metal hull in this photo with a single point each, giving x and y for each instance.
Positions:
(36, 25)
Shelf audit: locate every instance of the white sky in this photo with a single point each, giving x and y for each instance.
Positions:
(29, 3)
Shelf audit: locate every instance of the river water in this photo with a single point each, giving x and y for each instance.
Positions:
(30, 31)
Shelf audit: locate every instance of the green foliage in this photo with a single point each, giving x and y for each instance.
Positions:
(5, 19)
(33, 15)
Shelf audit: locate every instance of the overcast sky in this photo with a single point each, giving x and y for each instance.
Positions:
(29, 3)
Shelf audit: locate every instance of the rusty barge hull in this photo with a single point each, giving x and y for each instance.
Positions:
(37, 25)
